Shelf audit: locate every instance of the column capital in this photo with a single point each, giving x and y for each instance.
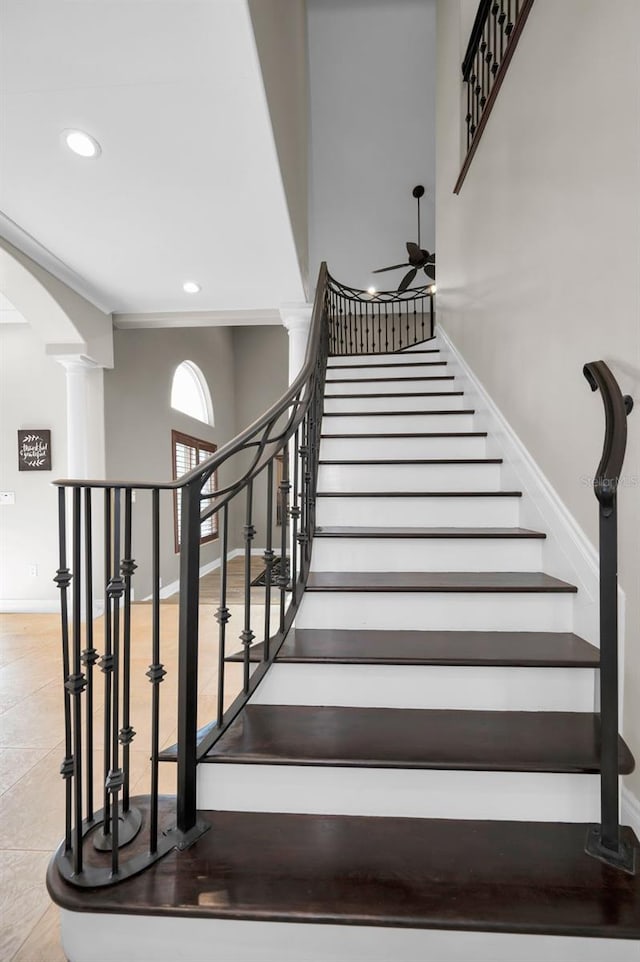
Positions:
(70, 359)
(296, 316)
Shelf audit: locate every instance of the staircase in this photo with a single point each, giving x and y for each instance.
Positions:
(415, 774)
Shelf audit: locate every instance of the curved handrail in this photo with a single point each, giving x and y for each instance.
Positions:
(357, 294)
(616, 408)
(295, 395)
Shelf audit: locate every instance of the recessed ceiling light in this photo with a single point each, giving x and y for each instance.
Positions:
(371, 290)
(82, 143)
(190, 287)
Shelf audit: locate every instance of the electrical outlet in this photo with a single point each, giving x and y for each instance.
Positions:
(33, 571)
(7, 497)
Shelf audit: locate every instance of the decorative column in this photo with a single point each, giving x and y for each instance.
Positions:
(297, 320)
(82, 431)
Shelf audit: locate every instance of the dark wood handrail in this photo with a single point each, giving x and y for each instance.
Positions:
(616, 408)
(475, 37)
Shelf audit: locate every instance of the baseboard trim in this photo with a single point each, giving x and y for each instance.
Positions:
(569, 553)
(28, 606)
(630, 809)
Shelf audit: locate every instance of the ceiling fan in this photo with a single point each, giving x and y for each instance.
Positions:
(419, 259)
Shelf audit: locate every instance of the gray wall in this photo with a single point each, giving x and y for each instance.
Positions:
(246, 370)
(538, 256)
(261, 372)
(372, 119)
(139, 420)
(32, 395)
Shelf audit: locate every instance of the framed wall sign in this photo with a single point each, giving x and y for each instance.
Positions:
(34, 450)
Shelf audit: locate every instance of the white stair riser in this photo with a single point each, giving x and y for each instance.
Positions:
(409, 477)
(446, 611)
(345, 405)
(408, 449)
(385, 386)
(396, 423)
(427, 686)
(415, 793)
(348, 360)
(93, 937)
(392, 371)
(418, 512)
(428, 554)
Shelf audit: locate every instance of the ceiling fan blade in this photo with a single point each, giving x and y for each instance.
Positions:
(395, 267)
(430, 271)
(406, 280)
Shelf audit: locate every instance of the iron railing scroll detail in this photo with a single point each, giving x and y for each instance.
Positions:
(494, 36)
(361, 322)
(267, 477)
(605, 841)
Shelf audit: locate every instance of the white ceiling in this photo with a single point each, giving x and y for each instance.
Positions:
(188, 185)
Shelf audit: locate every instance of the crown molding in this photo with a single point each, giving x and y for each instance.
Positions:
(245, 318)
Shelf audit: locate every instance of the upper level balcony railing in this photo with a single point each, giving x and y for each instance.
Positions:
(494, 37)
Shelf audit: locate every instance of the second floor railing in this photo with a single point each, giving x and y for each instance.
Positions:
(494, 36)
(361, 322)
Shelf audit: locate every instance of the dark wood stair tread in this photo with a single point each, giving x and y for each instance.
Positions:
(413, 461)
(370, 380)
(403, 364)
(442, 739)
(414, 434)
(525, 877)
(406, 394)
(484, 533)
(462, 581)
(389, 355)
(394, 414)
(522, 649)
(419, 494)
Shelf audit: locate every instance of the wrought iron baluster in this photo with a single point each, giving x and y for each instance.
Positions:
(190, 530)
(156, 671)
(509, 27)
(115, 779)
(269, 556)
(296, 545)
(63, 580)
(282, 576)
(223, 615)
(89, 655)
(127, 732)
(76, 681)
(468, 116)
(501, 19)
(494, 12)
(106, 665)
(247, 635)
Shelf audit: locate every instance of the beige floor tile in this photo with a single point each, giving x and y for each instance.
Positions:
(43, 944)
(16, 762)
(23, 897)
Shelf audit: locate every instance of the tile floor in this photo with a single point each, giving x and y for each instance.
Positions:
(31, 749)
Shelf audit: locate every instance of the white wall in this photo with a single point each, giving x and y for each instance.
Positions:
(538, 256)
(32, 395)
(372, 95)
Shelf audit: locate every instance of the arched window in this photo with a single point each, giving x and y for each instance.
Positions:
(190, 393)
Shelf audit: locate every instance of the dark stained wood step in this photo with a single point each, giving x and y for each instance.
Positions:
(524, 877)
(411, 533)
(383, 364)
(389, 414)
(389, 355)
(506, 649)
(432, 581)
(370, 380)
(419, 494)
(406, 394)
(497, 741)
(412, 461)
(419, 434)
